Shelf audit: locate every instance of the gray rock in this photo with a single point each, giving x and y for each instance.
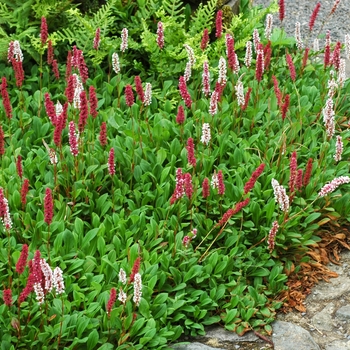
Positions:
(323, 319)
(288, 336)
(334, 289)
(343, 313)
(338, 345)
(193, 346)
(222, 335)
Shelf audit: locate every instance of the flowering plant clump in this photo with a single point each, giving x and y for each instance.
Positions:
(165, 171)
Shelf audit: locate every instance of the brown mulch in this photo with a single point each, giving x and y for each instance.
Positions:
(335, 238)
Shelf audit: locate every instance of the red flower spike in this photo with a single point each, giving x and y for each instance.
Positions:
(48, 206)
(314, 15)
(7, 296)
(221, 185)
(70, 89)
(111, 301)
(49, 53)
(22, 261)
(188, 185)
(2, 141)
(28, 288)
(205, 188)
(50, 108)
(103, 134)
(277, 91)
(93, 101)
(5, 98)
(55, 69)
(205, 39)
(180, 117)
(24, 191)
(184, 92)
(43, 31)
(267, 55)
(285, 107)
(226, 217)
(83, 115)
(299, 180)
(19, 166)
(251, 182)
(246, 99)
(19, 72)
(69, 65)
(305, 57)
(83, 69)
(36, 268)
(218, 24)
(190, 152)
(57, 134)
(281, 10)
(129, 96)
(259, 70)
(139, 88)
(111, 164)
(308, 172)
(135, 269)
(293, 172)
(291, 66)
(336, 56)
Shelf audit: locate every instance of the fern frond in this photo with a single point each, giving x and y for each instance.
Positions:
(203, 17)
(173, 8)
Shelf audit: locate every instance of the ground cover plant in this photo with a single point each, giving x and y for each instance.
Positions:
(167, 178)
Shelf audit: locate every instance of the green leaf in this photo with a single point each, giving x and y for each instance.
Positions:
(92, 339)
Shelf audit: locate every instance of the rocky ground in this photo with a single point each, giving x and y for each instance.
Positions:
(324, 326)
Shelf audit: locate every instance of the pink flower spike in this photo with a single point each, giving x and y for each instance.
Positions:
(339, 149)
(333, 185)
(272, 235)
(124, 44)
(160, 35)
(206, 79)
(73, 139)
(97, 39)
(111, 162)
(93, 101)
